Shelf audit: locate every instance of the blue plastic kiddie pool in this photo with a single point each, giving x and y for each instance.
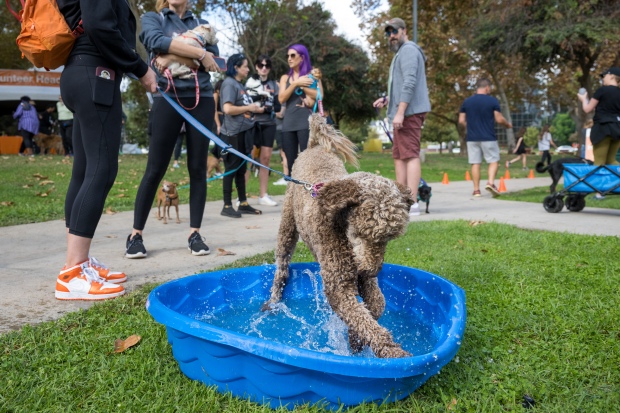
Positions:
(299, 354)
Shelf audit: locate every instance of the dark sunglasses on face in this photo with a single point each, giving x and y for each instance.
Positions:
(292, 55)
(264, 66)
(390, 32)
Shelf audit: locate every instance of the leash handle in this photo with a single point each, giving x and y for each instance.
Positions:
(384, 126)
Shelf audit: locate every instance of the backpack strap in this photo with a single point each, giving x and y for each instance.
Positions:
(17, 16)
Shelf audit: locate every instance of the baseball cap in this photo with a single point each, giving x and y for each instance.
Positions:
(613, 70)
(395, 23)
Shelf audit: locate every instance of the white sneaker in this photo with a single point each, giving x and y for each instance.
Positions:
(414, 210)
(237, 203)
(280, 181)
(266, 200)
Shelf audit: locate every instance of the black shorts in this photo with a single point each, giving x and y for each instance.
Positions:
(267, 135)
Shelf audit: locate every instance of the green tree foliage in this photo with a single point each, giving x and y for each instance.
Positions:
(562, 127)
(270, 26)
(531, 137)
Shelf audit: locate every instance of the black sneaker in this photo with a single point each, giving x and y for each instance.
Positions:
(135, 247)
(196, 245)
(229, 211)
(246, 208)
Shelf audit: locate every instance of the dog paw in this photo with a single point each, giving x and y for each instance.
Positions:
(269, 306)
(392, 352)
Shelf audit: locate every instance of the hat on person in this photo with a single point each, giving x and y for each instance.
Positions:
(614, 70)
(395, 23)
(25, 98)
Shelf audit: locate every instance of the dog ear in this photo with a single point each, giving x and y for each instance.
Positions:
(406, 193)
(336, 196)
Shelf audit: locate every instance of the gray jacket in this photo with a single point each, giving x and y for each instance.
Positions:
(409, 81)
(158, 29)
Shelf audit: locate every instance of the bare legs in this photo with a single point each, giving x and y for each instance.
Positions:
(408, 173)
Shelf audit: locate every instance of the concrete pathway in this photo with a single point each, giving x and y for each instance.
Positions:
(32, 254)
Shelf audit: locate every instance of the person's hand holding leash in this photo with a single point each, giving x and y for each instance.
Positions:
(381, 102)
(149, 81)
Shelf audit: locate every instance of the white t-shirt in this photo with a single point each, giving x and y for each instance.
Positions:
(544, 144)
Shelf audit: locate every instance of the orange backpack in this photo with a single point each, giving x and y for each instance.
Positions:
(45, 38)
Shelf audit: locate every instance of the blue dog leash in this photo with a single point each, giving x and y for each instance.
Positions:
(226, 147)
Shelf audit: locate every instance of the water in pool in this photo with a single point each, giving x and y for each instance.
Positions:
(309, 323)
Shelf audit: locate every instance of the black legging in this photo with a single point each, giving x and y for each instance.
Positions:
(292, 144)
(166, 124)
(96, 141)
(232, 162)
(66, 132)
(546, 156)
(26, 138)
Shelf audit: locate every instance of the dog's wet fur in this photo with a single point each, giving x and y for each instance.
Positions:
(347, 225)
(556, 169)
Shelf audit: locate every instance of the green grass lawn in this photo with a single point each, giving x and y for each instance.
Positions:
(542, 320)
(34, 189)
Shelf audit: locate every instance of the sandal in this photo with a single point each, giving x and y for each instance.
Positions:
(246, 208)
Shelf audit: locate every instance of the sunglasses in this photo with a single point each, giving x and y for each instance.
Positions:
(292, 55)
(263, 66)
(390, 32)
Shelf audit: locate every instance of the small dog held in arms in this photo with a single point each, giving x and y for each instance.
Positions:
(168, 197)
(556, 169)
(199, 36)
(346, 222)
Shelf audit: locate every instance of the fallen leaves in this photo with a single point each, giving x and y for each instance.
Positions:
(474, 223)
(121, 195)
(39, 176)
(222, 252)
(44, 194)
(452, 405)
(7, 203)
(122, 345)
(252, 227)
(110, 211)
(46, 182)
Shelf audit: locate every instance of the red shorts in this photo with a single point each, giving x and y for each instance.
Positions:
(407, 139)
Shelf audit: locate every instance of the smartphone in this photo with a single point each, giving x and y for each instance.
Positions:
(221, 63)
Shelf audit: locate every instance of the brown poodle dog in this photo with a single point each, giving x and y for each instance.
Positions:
(346, 222)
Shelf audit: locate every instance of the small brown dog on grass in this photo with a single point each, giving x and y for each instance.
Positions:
(213, 163)
(47, 143)
(168, 196)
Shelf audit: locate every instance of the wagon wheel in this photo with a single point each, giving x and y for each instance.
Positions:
(575, 203)
(553, 204)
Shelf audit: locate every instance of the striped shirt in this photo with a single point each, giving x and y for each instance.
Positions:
(28, 119)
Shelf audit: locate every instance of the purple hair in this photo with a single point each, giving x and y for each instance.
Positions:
(306, 65)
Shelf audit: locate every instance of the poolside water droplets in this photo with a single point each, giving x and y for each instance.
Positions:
(309, 323)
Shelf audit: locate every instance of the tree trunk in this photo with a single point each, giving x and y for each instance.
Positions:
(510, 134)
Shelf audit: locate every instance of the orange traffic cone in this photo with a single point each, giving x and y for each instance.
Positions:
(531, 175)
(507, 174)
(502, 185)
(445, 180)
(467, 176)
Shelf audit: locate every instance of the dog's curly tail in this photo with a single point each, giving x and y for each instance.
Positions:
(322, 134)
(541, 168)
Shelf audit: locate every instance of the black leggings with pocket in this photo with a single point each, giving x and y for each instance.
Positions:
(166, 124)
(96, 140)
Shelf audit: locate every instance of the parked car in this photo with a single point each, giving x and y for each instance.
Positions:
(566, 149)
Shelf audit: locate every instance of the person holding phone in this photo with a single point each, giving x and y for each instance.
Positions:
(237, 131)
(159, 31)
(90, 88)
(298, 99)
